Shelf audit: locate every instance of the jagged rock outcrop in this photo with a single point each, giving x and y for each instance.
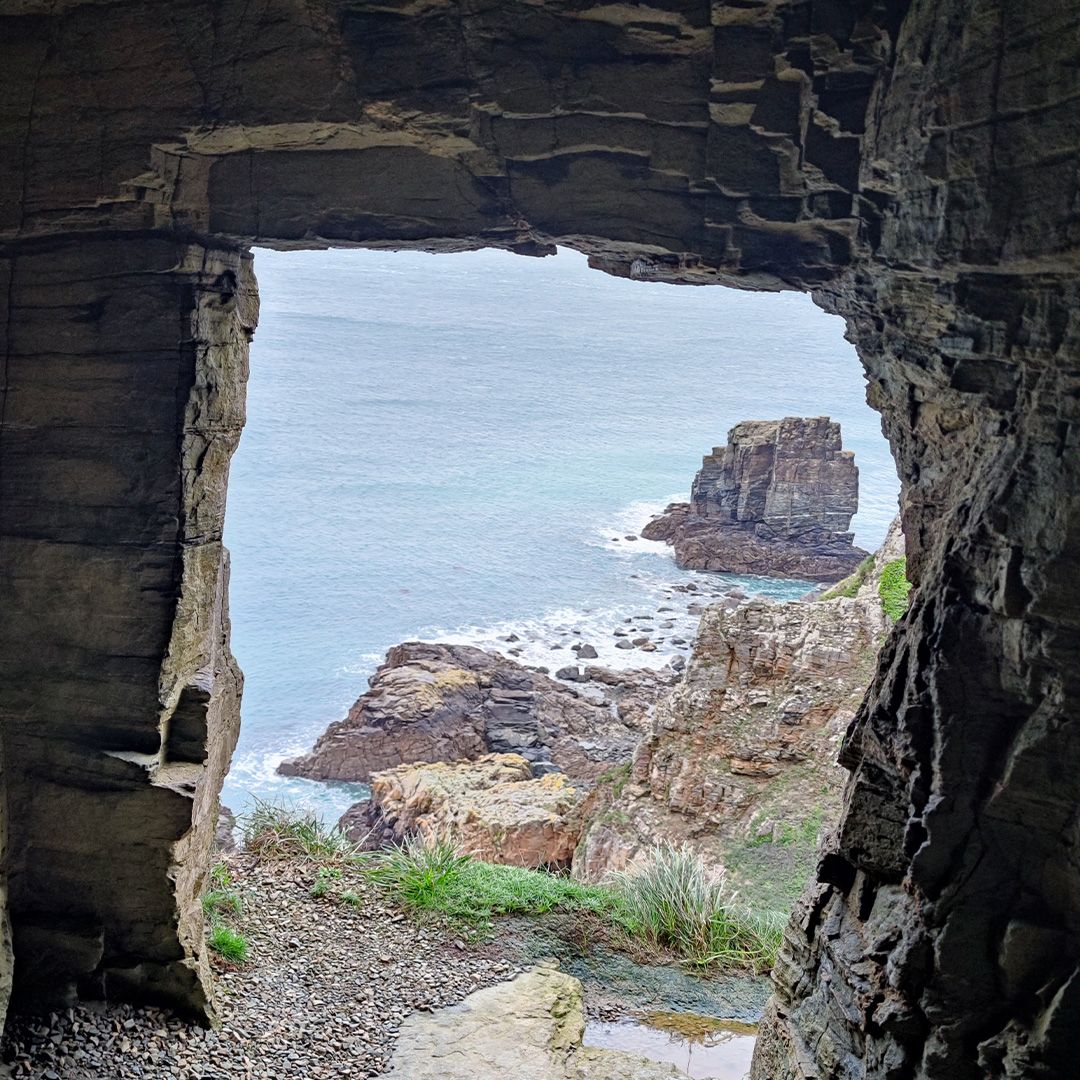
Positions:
(913, 163)
(435, 702)
(746, 744)
(777, 500)
(492, 808)
(530, 1027)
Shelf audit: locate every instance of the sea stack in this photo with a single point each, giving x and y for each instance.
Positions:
(777, 500)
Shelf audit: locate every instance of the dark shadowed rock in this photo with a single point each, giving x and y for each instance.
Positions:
(776, 500)
(434, 702)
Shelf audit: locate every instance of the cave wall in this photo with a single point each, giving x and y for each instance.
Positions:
(913, 164)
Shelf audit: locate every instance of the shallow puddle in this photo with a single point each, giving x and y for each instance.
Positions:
(702, 1047)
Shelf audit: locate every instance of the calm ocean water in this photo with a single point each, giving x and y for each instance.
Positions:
(455, 446)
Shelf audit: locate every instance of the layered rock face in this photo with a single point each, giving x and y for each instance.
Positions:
(435, 702)
(911, 162)
(492, 809)
(747, 742)
(777, 500)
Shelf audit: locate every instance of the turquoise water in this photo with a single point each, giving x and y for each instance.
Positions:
(455, 446)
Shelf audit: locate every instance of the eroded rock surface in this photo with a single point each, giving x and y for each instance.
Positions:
(777, 500)
(492, 808)
(529, 1028)
(746, 744)
(435, 702)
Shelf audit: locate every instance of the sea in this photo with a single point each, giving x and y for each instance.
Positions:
(464, 448)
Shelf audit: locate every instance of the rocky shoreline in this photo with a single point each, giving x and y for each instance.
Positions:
(593, 768)
(727, 748)
(432, 702)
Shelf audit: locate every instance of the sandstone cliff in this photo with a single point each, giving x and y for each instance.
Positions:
(434, 702)
(743, 750)
(777, 500)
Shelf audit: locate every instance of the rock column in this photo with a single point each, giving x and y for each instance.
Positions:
(124, 399)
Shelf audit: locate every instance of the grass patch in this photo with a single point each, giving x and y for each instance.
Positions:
(617, 776)
(220, 898)
(219, 902)
(894, 588)
(682, 904)
(326, 876)
(674, 902)
(436, 880)
(850, 585)
(228, 944)
(275, 831)
(771, 869)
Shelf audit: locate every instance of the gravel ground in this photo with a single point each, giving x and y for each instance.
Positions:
(322, 996)
(328, 984)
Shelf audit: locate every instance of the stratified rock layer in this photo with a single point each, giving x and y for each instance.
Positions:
(777, 500)
(912, 162)
(435, 702)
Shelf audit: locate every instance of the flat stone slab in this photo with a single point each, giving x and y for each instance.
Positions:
(529, 1028)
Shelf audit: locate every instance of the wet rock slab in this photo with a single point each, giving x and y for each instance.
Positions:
(530, 1028)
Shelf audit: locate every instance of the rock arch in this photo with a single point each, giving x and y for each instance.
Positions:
(914, 164)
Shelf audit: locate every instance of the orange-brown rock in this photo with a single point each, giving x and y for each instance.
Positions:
(491, 808)
(747, 742)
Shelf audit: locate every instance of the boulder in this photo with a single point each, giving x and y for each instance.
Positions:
(493, 809)
(777, 500)
(530, 1028)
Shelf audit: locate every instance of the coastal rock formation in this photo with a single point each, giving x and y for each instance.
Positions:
(777, 500)
(491, 808)
(435, 702)
(745, 746)
(912, 163)
(530, 1028)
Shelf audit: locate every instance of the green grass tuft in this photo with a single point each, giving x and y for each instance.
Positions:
(277, 831)
(221, 901)
(323, 878)
(220, 898)
(618, 776)
(673, 902)
(435, 879)
(894, 588)
(682, 904)
(850, 585)
(228, 944)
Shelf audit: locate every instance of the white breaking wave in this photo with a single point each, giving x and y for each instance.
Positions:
(612, 534)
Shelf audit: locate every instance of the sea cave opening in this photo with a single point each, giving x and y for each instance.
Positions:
(462, 450)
